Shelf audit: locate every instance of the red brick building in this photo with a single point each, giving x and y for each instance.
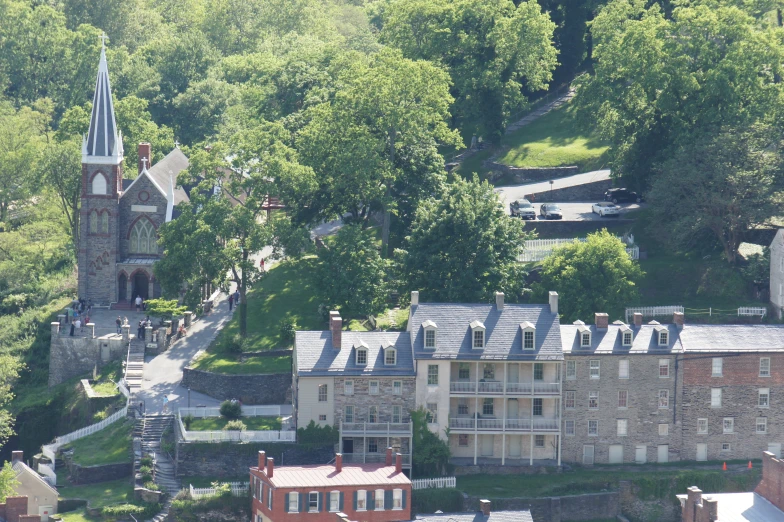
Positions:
(14, 509)
(364, 492)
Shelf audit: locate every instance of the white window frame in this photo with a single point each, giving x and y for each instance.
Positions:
(348, 387)
(593, 396)
(361, 496)
(625, 395)
(570, 397)
(664, 429)
(364, 353)
(595, 424)
(373, 414)
(594, 368)
(717, 367)
(702, 426)
(373, 388)
(623, 369)
(397, 387)
(477, 338)
(310, 501)
(432, 375)
(387, 353)
(537, 440)
(569, 428)
(764, 369)
(761, 421)
(432, 410)
(397, 414)
(379, 496)
(622, 427)
(664, 399)
(571, 370)
(334, 501)
(428, 331)
(322, 397)
(726, 447)
(397, 499)
(763, 398)
(728, 425)
(346, 414)
(488, 406)
(626, 335)
(716, 394)
(663, 338)
(664, 364)
(293, 500)
(585, 339)
(527, 331)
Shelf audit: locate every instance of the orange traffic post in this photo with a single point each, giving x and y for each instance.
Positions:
(749, 464)
(724, 467)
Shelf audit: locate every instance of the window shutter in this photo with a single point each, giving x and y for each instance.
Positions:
(372, 495)
(388, 499)
(355, 501)
(404, 499)
(287, 503)
(340, 501)
(303, 499)
(322, 505)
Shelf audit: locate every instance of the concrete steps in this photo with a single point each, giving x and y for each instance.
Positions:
(163, 471)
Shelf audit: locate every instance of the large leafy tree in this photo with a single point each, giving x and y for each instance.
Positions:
(463, 247)
(21, 139)
(592, 276)
(60, 168)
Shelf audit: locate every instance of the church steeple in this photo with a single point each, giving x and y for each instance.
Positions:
(103, 142)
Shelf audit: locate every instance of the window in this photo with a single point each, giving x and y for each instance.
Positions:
(489, 371)
(462, 406)
(569, 428)
(390, 356)
(528, 340)
(397, 499)
(99, 184)
(479, 338)
(488, 407)
(623, 369)
(373, 414)
(717, 367)
(664, 398)
(726, 446)
(361, 500)
(432, 412)
(322, 417)
(464, 372)
(728, 425)
(379, 500)
(715, 397)
(538, 371)
(397, 414)
(373, 387)
(593, 400)
(623, 398)
(569, 400)
(93, 222)
(539, 441)
(593, 428)
(702, 426)
(585, 340)
(664, 430)
(627, 338)
(313, 506)
(764, 367)
(334, 501)
(663, 338)
(571, 370)
(397, 387)
(430, 338)
(143, 239)
(764, 398)
(538, 407)
(269, 497)
(361, 357)
(762, 424)
(432, 374)
(349, 415)
(105, 226)
(462, 440)
(293, 502)
(322, 393)
(664, 368)
(622, 427)
(594, 368)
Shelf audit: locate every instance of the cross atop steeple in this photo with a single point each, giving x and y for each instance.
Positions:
(103, 38)
(144, 163)
(176, 144)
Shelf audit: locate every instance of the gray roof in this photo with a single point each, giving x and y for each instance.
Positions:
(732, 337)
(503, 335)
(102, 135)
(495, 516)
(315, 355)
(609, 341)
(23, 470)
(174, 163)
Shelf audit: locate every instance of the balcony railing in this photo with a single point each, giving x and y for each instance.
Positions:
(491, 387)
(518, 388)
(376, 429)
(462, 386)
(512, 388)
(542, 388)
(372, 458)
(535, 424)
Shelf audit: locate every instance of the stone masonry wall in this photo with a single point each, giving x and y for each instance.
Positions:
(385, 400)
(585, 192)
(642, 413)
(592, 506)
(526, 174)
(144, 193)
(250, 389)
(73, 356)
(92, 474)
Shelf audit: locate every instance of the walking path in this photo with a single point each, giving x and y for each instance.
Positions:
(540, 111)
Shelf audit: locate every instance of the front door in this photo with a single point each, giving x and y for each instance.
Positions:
(512, 410)
(140, 286)
(641, 454)
(702, 452)
(616, 454)
(515, 445)
(487, 445)
(588, 454)
(664, 453)
(514, 373)
(122, 288)
(348, 445)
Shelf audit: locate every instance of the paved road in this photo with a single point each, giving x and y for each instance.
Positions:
(513, 192)
(581, 211)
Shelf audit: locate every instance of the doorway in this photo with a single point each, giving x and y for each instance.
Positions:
(588, 454)
(515, 446)
(487, 445)
(141, 285)
(702, 452)
(616, 454)
(122, 287)
(663, 453)
(775, 448)
(641, 454)
(348, 445)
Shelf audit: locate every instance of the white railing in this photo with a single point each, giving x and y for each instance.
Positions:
(652, 311)
(538, 249)
(376, 428)
(247, 411)
(48, 472)
(440, 482)
(235, 435)
(752, 311)
(462, 386)
(526, 424)
(121, 386)
(238, 489)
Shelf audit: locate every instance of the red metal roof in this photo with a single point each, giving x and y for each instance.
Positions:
(326, 476)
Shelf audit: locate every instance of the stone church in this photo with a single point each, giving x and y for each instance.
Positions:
(120, 217)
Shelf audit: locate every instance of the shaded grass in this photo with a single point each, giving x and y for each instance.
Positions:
(253, 423)
(108, 446)
(100, 494)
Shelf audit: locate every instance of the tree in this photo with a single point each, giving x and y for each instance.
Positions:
(724, 183)
(430, 454)
(9, 371)
(165, 309)
(60, 168)
(21, 137)
(592, 276)
(352, 276)
(463, 247)
(8, 481)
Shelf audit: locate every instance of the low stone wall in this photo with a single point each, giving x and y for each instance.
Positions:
(585, 192)
(92, 474)
(661, 510)
(231, 460)
(526, 174)
(250, 389)
(591, 506)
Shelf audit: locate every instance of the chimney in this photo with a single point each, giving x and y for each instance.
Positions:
(336, 326)
(262, 460)
(553, 302)
(398, 463)
(484, 506)
(389, 456)
(414, 297)
(17, 456)
(677, 319)
(499, 301)
(145, 151)
(338, 462)
(637, 319)
(602, 320)
(270, 467)
(342, 517)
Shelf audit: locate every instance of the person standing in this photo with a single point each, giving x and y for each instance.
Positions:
(231, 301)
(138, 303)
(73, 327)
(261, 264)
(79, 325)
(237, 297)
(119, 325)
(140, 331)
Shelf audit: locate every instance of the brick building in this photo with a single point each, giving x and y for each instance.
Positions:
(366, 492)
(14, 509)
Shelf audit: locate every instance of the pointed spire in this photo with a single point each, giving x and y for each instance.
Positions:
(103, 142)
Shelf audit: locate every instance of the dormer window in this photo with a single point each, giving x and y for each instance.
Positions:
(361, 353)
(478, 334)
(430, 329)
(584, 334)
(663, 337)
(626, 336)
(390, 356)
(529, 335)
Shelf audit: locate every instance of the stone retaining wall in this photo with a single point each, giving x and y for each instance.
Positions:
(585, 192)
(73, 356)
(92, 474)
(250, 389)
(526, 174)
(591, 506)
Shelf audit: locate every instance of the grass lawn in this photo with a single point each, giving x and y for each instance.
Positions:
(221, 362)
(253, 423)
(78, 516)
(110, 445)
(106, 389)
(100, 494)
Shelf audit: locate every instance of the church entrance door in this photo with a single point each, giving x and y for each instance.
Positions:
(122, 287)
(140, 285)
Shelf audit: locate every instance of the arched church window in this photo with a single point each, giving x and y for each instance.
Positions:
(143, 240)
(99, 184)
(105, 222)
(93, 222)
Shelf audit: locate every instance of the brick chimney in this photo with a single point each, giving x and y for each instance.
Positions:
(145, 151)
(338, 462)
(637, 319)
(15, 507)
(262, 460)
(388, 461)
(414, 297)
(698, 509)
(499, 301)
(484, 507)
(772, 484)
(677, 319)
(398, 463)
(17, 456)
(270, 467)
(336, 327)
(553, 302)
(602, 320)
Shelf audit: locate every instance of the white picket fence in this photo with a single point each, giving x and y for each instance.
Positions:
(538, 249)
(48, 472)
(238, 489)
(752, 311)
(439, 482)
(247, 411)
(123, 389)
(234, 435)
(652, 311)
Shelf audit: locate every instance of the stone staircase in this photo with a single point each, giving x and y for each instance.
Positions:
(134, 368)
(163, 471)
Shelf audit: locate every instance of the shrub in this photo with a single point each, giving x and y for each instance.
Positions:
(235, 344)
(231, 409)
(99, 416)
(145, 470)
(313, 433)
(144, 510)
(146, 461)
(448, 500)
(187, 420)
(287, 329)
(152, 486)
(235, 425)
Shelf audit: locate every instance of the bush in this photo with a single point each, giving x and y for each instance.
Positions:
(235, 425)
(231, 409)
(144, 510)
(235, 344)
(145, 470)
(152, 486)
(448, 500)
(287, 329)
(313, 433)
(146, 461)
(187, 420)
(99, 416)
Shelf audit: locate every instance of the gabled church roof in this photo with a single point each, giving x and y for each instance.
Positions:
(103, 142)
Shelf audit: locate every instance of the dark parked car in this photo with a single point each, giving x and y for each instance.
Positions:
(622, 195)
(550, 211)
(522, 208)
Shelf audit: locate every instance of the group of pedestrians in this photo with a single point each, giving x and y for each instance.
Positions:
(234, 299)
(143, 325)
(78, 314)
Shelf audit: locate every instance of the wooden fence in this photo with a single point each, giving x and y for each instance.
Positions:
(439, 482)
(538, 249)
(238, 489)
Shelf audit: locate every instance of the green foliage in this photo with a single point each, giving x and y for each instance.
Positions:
(149, 484)
(164, 308)
(121, 511)
(592, 276)
(231, 409)
(757, 268)
(431, 453)
(108, 446)
(287, 330)
(447, 500)
(187, 421)
(8, 481)
(188, 510)
(315, 434)
(222, 423)
(235, 425)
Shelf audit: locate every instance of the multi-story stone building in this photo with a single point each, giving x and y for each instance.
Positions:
(489, 375)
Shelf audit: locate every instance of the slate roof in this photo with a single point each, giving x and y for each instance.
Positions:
(23, 470)
(503, 335)
(102, 139)
(315, 355)
(733, 337)
(609, 341)
(174, 162)
(495, 516)
(324, 475)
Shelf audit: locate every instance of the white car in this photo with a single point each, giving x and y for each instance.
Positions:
(605, 208)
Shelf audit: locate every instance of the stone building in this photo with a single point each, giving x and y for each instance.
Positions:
(620, 392)
(777, 273)
(360, 382)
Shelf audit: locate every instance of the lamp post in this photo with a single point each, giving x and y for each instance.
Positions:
(551, 190)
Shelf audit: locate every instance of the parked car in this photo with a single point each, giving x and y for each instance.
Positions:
(606, 208)
(622, 195)
(522, 208)
(550, 211)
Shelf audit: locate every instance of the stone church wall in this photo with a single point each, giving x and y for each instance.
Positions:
(143, 200)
